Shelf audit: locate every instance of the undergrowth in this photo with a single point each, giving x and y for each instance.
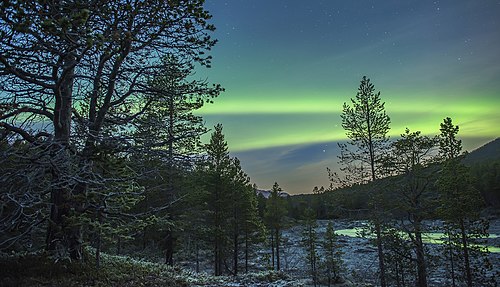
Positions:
(40, 269)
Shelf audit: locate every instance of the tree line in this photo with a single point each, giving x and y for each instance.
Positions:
(412, 179)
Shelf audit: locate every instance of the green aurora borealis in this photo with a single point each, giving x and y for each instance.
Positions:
(288, 66)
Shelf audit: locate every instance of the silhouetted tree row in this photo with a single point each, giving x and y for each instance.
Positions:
(412, 179)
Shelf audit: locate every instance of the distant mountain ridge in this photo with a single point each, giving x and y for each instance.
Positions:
(267, 193)
(484, 163)
(485, 153)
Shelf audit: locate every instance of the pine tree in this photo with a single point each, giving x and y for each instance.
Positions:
(168, 137)
(399, 255)
(108, 214)
(232, 205)
(460, 206)
(310, 243)
(244, 222)
(366, 125)
(253, 228)
(410, 158)
(333, 262)
(196, 218)
(218, 165)
(274, 218)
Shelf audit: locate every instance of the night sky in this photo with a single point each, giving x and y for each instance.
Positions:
(289, 65)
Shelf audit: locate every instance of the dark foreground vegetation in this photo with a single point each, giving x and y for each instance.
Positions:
(39, 269)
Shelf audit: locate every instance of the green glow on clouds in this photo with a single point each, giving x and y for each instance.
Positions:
(288, 67)
(287, 119)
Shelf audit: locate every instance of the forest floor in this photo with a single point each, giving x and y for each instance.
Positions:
(41, 270)
(359, 256)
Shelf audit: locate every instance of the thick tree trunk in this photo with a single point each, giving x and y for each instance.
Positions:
(54, 230)
(419, 250)
(59, 234)
(169, 248)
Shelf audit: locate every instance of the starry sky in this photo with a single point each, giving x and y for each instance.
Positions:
(289, 65)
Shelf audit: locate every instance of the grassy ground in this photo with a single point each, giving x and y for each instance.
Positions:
(42, 270)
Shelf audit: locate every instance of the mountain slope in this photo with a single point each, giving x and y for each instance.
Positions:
(486, 153)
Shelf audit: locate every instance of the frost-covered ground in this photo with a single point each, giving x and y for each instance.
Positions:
(359, 256)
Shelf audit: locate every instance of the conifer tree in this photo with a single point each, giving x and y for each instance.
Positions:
(218, 165)
(232, 205)
(195, 218)
(168, 137)
(310, 243)
(399, 255)
(275, 219)
(410, 158)
(252, 227)
(460, 206)
(366, 124)
(244, 222)
(333, 262)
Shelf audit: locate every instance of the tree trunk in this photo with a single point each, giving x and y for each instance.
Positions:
(380, 252)
(272, 249)
(235, 254)
(169, 248)
(452, 260)
(398, 280)
(217, 224)
(466, 253)
(419, 250)
(99, 241)
(197, 257)
(144, 238)
(54, 229)
(246, 251)
(216, 256)
(277, 250)
(58, 233)
(313, 256)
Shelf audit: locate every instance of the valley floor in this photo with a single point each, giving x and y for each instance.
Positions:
(358, 255)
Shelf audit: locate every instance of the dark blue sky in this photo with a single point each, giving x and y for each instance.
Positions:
(288, 66)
